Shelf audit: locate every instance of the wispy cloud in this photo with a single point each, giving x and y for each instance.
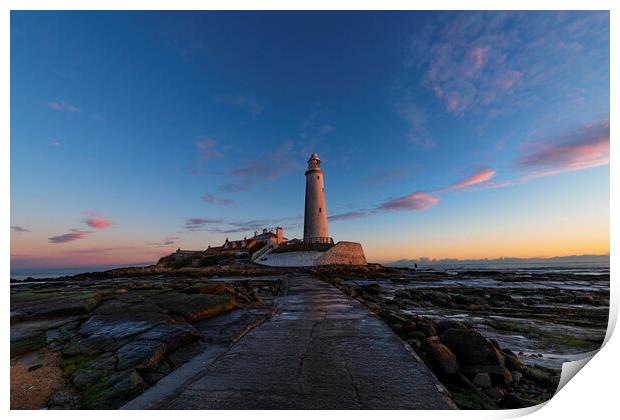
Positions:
(55, 143)
(73, 235)
(414, 201)
(240, 226)
(61, 106)
(356, 214)
(582, 147)
(491, 62)
(417, 119)
(419, 200)
(214, 199)
(19, 229)
(235, 187)
(268, 167)
(387, 175)
(478, 177)
(206, 150)
(327, 128)
(199, 223)
(98, 250)
(167, 241)
(314, 128)
(248, 103)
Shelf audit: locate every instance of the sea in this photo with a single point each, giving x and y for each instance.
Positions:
(51, 273)
(577, 267)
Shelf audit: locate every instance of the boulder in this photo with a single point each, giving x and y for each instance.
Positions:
(471, 348)
(439, 356)
(512, 362)
(407, 327)
(373, 307)
(482, 380)
(372, 289)
(415, 335)
(448, 324)
(499, 375)
(426, 327)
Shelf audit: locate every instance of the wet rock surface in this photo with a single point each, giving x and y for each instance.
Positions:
(494, 339)
(115, 337)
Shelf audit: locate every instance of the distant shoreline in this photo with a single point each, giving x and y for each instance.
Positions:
(570, 261)
(585, 264)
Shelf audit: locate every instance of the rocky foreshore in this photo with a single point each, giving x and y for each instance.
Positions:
(470, 315)
(96, 340)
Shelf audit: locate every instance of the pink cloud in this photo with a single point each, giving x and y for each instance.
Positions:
(478, 177)
(415, 201)
(508, 79)
(98, 222)
(74, 235)
(477, 59)
(421, 200)
(584, 147)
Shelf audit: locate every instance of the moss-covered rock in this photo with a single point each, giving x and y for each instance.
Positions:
(113, 390)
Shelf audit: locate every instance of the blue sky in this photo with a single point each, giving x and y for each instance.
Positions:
(442, 134)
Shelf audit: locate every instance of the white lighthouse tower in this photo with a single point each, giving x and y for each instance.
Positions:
(315, 217)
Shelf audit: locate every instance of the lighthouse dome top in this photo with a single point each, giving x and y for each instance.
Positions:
(314, 163)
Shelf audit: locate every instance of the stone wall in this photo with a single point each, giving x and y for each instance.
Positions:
(343, 253)
(291, 259)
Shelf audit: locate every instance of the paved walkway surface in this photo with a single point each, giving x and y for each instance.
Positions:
(321, 350)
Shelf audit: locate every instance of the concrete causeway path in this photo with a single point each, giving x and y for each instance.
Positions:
(321, 350)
